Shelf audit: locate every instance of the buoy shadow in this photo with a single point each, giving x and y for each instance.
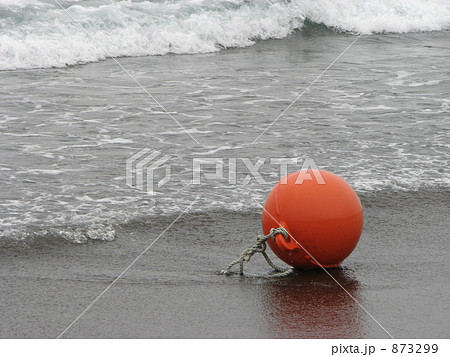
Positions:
(313, 304)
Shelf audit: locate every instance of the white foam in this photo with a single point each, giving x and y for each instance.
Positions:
(359, 15)
(214, 150)
(42, 34)
(116, 141)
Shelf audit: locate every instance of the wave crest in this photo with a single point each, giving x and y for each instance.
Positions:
(36, 34)
(41, 238)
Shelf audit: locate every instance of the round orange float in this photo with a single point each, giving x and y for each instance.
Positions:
(322, 214)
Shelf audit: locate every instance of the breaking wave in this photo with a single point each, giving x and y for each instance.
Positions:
(43, 34)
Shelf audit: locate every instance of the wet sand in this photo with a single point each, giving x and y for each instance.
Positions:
(398, 272)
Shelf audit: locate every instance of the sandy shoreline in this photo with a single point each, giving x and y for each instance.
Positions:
(398, 272)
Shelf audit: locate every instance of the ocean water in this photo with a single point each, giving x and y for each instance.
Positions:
(378, 117)
(41, 34)
(218, 74)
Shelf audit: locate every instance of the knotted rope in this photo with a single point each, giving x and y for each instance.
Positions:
(260, 247)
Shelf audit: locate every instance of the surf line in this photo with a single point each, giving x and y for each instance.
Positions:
(129, 266)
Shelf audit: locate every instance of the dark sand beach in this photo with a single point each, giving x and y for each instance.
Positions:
(398, 273)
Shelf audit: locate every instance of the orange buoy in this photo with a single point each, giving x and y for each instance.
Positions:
(322, 214)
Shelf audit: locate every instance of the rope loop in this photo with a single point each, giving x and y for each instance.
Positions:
(260, 246)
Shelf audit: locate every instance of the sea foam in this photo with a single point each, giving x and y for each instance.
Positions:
(41, 34)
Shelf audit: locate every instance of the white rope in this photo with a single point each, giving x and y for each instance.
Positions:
(260, 247)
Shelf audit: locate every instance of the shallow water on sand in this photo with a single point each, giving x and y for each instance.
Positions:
(378, 118)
